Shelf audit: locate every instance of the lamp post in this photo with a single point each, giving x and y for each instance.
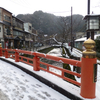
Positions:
(71, 30)
(92, 24)
(88, 12)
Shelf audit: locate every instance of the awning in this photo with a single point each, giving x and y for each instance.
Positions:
(29, 40)
(9, 38)
(18, 38)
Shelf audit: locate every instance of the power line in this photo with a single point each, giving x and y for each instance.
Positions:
(60, 12)
(96, 6)
(21, 4)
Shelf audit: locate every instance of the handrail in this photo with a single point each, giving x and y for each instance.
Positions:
(35, 62)
(60, 59)
(62, 74)
(88, 70)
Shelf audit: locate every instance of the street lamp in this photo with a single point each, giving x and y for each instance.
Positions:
(92, 24)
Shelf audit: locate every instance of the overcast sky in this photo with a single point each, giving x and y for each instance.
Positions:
(57, 7)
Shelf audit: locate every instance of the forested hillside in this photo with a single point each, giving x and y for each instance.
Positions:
(50, 24)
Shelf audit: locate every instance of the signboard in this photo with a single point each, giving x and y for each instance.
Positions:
(95, 73)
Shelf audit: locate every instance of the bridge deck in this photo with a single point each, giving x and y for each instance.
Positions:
(53, 81)
(18, 85)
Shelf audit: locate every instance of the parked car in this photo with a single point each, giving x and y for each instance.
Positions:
(38, 44)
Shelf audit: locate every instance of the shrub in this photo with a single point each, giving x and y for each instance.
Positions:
(66, 66)
(97, 45)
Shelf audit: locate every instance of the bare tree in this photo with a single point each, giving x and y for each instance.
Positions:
(65, 28)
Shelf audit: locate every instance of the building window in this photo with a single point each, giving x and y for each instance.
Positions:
(0, 29)
(17, 33)
(29, 27)
(7, 23)
(0, 15)
(19, 24)
(7, 30)
(7, 18)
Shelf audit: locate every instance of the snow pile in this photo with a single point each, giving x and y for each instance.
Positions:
(55, 52)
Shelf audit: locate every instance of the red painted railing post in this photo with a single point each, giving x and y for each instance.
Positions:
(16, 56)
(0, 49)
(35, 62)
(6, 53)
(88, 71)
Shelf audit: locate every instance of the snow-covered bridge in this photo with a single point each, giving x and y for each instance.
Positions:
(72, 89)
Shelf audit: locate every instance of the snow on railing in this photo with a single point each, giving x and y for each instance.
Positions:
(19, 55)
(87, 64)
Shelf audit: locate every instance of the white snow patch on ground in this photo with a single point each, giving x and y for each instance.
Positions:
(17, 85)
(55, 52)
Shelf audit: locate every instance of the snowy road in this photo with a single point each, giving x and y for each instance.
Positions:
(17, 85)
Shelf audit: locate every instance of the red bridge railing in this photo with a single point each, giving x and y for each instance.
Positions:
(35, 62)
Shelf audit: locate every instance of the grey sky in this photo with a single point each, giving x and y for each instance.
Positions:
(57, 7)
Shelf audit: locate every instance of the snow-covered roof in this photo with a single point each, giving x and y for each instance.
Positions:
(92, 15)
(95, 36)
(83, 39)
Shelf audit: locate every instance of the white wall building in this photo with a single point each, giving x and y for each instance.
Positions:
(28, 27)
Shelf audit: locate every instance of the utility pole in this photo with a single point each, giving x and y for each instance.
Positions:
(88, 12)
(88, 7)
(92, 32)
(71, 31)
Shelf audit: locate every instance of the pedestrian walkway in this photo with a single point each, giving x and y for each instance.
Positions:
(17, 85)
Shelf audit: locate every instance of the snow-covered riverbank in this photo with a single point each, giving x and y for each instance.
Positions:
(79, 54)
